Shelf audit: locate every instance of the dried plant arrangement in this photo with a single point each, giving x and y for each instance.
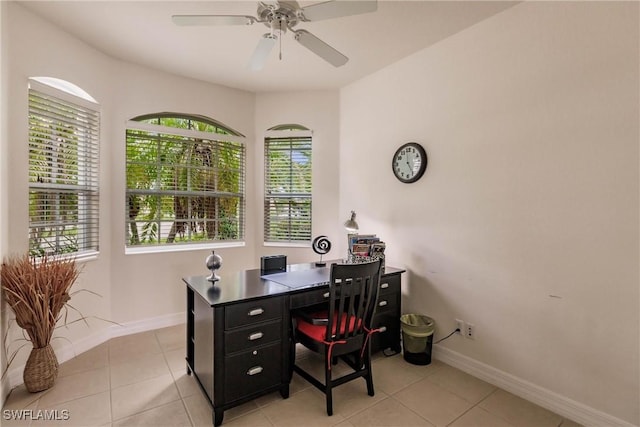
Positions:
(37, 290)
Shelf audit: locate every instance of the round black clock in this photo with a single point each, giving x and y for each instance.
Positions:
(409, 162)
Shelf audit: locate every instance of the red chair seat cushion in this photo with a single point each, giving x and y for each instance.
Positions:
(318, 332)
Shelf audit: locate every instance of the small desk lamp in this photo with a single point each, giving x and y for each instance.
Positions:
(352, 228)
(351, 225)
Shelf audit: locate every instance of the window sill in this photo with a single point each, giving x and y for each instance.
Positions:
(87, 256)
(78, 257)
(180, 248)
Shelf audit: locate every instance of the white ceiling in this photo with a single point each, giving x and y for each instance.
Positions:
(142, 32)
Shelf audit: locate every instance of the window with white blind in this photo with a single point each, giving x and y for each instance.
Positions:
(287, 199)
(185, 181)
(63, 169)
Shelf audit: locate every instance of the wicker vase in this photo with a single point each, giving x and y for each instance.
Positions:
(41, 369)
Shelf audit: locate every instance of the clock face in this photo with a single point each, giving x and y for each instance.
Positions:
(409, 162)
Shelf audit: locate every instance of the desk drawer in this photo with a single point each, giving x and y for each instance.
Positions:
(390, 285)
(387, 303)
(390, 337)
(252, 312)
(252, 371)
(309, 298)
(252, 336)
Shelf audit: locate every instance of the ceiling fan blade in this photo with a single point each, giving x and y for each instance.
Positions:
(336, 9)
(259, 56)
(186, 20)
(291, 3)
(320, 48)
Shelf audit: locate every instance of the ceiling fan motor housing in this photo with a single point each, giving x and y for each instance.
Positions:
(278, 18)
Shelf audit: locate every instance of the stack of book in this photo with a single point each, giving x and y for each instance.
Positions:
(365, 248)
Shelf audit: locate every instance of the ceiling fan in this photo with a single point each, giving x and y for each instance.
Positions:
(281, 16)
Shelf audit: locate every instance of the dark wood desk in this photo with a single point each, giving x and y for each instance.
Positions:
(239, 330)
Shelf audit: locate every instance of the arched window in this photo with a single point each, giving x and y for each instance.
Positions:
(64, 130)
(187, 121)
(185, 181)
(287, 197)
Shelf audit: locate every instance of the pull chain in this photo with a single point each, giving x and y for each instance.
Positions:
(280, 40)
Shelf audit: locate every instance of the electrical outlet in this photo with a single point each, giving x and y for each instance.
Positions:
(460, 325)
(471, 331)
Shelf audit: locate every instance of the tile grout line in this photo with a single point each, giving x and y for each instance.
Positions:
(110, 389)
(173, 377)
(173, 381)
(414, 412)
(476, 405)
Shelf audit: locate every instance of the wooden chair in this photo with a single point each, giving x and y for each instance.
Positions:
(342, 329)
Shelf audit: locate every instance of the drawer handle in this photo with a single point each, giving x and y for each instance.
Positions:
(326, 295)
(382, 303)
(256, 312)
(384, 286)
(255, 370)
(382, 329)
(255, 336)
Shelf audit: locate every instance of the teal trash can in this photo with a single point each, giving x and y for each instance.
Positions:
(417, 338)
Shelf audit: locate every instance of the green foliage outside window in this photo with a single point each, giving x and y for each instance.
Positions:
(287, 202)
(181, 187)
(63, 176)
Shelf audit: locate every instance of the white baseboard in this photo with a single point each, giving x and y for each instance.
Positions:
(548, 399)
(71, 350)
(147, 324)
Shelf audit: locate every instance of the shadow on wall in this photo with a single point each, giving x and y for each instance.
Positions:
(425, 292)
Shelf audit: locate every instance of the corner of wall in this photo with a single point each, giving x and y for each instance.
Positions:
(4, 385)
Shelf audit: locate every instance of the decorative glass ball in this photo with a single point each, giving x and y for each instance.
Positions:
(213, 263)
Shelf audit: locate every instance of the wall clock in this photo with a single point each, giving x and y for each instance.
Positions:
(409, 162)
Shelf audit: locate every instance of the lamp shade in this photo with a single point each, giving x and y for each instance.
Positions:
(351, 225)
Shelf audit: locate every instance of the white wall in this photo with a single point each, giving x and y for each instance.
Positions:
(37, 49)
(319, 112)
(4, 310)
(526, 221)
(150, 285)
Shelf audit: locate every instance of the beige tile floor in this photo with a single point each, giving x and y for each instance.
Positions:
(140, 380)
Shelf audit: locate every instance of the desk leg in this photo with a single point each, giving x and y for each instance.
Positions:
(218, 415)
(284, 391)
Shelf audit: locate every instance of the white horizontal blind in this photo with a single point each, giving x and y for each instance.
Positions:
(63, 173)
(182, 187)
(287, 201)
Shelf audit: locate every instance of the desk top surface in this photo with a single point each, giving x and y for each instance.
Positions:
(250, 284)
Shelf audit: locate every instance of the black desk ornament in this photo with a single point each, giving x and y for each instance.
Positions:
(273, 264)
(321, 245)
